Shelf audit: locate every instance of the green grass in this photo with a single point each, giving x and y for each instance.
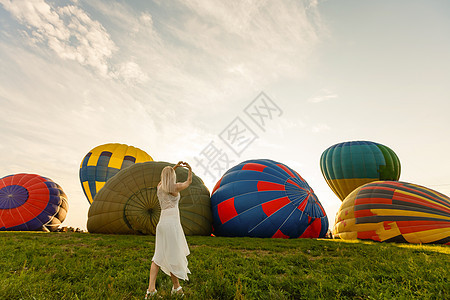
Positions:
(37, 265)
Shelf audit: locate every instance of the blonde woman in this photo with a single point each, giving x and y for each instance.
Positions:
(171, 247)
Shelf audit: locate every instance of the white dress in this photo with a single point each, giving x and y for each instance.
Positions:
(171, 247)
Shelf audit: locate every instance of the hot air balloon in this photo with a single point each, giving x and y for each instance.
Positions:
(128, 204)
(264, 198)
(392, 211)
(349, 165)
(105, 161)
(30, 202)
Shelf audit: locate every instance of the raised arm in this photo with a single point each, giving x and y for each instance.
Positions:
(183, 185)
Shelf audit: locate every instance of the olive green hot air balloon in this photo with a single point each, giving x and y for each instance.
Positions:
(127, 204)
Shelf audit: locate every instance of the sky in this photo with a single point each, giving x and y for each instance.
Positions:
(177, 78)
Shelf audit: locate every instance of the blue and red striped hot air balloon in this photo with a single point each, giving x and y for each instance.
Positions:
(264, 198)
(30, 201)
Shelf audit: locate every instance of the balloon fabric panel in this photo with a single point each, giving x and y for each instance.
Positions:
(29, 201)
(348, 165)
(263, 198)
(390, 211)
(105, 161)
(128, 203)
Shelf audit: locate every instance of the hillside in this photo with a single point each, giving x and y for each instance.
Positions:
(38, 265)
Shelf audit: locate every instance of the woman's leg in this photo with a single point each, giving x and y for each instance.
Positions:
(175, 281)
(153, 273)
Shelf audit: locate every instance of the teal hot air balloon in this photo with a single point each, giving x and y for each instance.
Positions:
(349, 165)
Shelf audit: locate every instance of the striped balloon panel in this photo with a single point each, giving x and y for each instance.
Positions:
(348, 165)
(264, 198)
(390, 211)
(105, 161)
(29, 201)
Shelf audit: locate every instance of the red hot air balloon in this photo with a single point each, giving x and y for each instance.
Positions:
(30, 201)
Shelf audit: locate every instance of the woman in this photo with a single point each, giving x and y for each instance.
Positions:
(171, 247)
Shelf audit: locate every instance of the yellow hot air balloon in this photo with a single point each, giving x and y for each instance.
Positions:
(105, 161)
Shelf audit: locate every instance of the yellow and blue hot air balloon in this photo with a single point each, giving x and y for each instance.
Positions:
(105, 161)
(349, 165)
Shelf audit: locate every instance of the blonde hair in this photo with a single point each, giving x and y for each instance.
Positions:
(168, 180)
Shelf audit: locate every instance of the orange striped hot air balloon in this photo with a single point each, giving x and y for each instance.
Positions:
(392, 211)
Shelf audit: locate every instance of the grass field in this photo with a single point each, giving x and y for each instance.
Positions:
(37, 265)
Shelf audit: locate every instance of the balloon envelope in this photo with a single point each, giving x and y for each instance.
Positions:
(348, 165)
(30, 201)
(264, 198)
(392, 211)
(105, 161)
(128, 203)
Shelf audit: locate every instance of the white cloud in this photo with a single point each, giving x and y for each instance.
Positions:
(320, 128)
(130, 72)
(210, 51)
(67, 30)
(73, 35)
(263, 39)
(324, 95)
